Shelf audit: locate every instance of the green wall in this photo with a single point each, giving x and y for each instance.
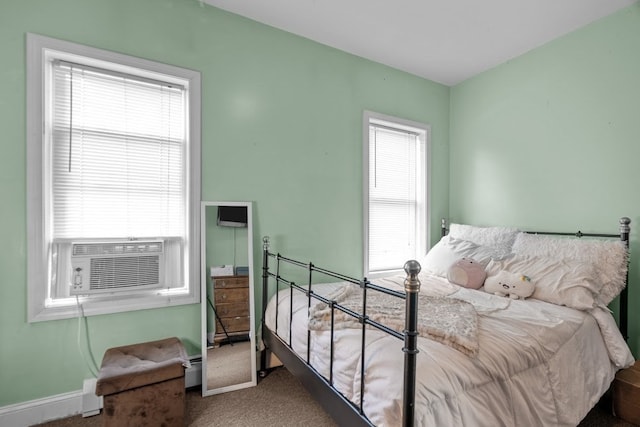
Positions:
(551, 139)
(282, 126)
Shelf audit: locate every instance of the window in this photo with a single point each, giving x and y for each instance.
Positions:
(113, 166)
(395, 189)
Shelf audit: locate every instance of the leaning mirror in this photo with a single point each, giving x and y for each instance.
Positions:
(228, 330)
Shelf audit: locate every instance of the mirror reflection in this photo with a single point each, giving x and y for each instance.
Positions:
(229, 361)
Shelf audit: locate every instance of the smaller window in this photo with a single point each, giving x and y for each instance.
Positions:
(395, 192)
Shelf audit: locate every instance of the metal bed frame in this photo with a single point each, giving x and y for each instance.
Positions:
(344, 411)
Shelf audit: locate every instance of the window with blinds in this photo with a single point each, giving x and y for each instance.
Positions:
(396, 194)
(117, 155)
(113, 156)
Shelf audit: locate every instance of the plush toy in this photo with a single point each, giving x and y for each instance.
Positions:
(515, 286)
(467, 273)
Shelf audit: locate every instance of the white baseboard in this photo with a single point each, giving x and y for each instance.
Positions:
(41, 410)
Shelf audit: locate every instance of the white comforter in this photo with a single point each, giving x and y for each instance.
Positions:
(539, 364)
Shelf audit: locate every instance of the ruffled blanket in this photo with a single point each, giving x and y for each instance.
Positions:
(447, 320)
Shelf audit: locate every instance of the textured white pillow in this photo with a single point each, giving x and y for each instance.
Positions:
(558, 281)
(449, 250)
(499, 238)
(608, 257)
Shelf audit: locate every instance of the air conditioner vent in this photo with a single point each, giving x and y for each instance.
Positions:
(116, 266)
(117, 248)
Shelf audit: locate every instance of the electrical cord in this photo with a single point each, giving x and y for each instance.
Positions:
(93, 367)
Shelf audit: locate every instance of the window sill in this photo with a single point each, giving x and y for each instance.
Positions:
(97, 305)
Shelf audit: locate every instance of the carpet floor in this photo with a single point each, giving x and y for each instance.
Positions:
(279, 400)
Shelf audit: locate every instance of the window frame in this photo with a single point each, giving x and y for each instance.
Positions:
(370, 117)
(38, 286)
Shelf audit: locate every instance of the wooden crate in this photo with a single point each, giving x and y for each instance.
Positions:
(626, 394)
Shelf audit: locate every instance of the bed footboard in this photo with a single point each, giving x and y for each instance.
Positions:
(321, 388)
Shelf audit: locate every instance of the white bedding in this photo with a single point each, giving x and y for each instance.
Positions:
(539, 364)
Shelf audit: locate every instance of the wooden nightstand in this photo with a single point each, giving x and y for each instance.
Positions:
(626, 394)
(231, 300)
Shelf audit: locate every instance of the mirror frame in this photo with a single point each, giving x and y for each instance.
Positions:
(203, 300)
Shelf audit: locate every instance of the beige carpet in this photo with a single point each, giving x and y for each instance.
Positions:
(279, 400)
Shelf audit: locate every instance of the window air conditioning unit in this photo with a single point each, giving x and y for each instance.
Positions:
(109, 267)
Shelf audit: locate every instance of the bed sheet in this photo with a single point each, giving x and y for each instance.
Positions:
(538, 363)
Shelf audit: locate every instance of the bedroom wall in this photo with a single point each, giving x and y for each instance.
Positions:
(281, 127)
(549, 140)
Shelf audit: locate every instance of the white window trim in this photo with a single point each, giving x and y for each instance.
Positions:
(37, 280)
(423, 228)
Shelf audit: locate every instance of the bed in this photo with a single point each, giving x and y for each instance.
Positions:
(434, 353)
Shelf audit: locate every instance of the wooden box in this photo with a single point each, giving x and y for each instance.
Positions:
(626, 394)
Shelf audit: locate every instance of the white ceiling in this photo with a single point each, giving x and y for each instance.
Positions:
(446, 41)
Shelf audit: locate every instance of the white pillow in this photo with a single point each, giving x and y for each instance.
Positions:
(449, 250)
(499, 238)
(562, 282)
(608, 257)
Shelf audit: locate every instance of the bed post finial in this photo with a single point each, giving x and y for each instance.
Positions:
(265, 243)
(625, 228)
(411, 283)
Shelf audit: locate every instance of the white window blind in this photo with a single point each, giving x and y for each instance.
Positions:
(117, 155)
(394, 196)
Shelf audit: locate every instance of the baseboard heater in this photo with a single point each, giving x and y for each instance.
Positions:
(193, 374)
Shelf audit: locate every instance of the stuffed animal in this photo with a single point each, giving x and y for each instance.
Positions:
(515, 286)
(467, 273)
